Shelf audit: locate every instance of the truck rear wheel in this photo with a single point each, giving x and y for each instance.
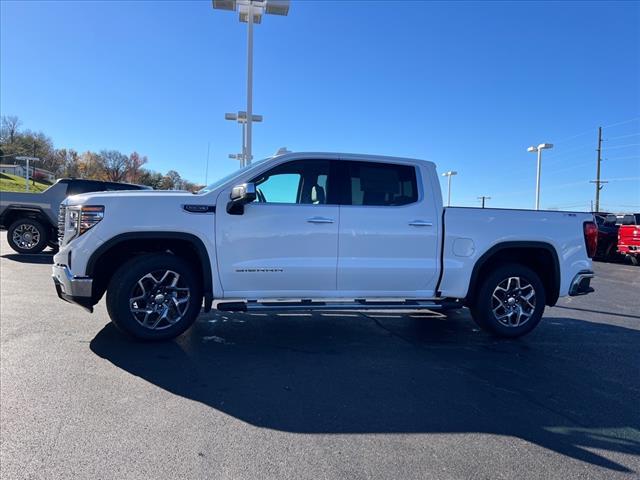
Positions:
(510, 302)
(154, 297)
(26, 235)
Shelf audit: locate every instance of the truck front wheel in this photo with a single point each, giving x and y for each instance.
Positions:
(154, 297)
(27, 236)
(510, 302)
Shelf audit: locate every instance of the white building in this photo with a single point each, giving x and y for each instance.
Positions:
(19, 170)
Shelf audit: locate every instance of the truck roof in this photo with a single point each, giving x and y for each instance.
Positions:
(353, 156)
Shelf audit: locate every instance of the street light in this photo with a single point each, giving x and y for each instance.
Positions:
(241, 117)
(538, 149)
(449, 174)
(251, 11)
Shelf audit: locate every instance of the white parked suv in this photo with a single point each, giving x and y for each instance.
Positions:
(302, 231)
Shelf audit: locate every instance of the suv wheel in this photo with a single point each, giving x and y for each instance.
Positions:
(154, 297)
(510, 302)
(27, 236)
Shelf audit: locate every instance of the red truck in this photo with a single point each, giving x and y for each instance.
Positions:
(629, 238)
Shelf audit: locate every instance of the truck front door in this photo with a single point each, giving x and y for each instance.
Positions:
(285, 244)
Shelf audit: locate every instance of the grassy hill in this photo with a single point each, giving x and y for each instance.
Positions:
(12, 183)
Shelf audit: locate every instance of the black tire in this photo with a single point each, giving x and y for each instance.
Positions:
(26, 235)
(124, 286)
(484, 303)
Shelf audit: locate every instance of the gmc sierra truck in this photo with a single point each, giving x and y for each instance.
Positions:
(305, 231)
(31, 219)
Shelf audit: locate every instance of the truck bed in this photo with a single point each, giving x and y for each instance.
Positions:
(471, 233)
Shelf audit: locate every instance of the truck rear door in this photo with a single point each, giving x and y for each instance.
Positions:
(388, 235)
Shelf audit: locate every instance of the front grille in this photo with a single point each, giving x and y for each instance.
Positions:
(61, 224)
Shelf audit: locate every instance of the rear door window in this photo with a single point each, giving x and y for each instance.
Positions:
(380, 184)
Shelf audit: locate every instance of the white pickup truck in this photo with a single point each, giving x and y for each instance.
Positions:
(303, 231)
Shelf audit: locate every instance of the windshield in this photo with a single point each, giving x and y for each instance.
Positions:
(232, 175)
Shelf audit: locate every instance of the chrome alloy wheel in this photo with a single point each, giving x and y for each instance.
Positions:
(159, 299)
(513, 301)
(26, 236)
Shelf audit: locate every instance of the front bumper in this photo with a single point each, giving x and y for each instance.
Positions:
(77, 290)
(581, 283)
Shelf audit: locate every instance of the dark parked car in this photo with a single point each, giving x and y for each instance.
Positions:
(32, 218)
(607, 237)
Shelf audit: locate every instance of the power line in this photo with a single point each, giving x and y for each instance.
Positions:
(623, 179)
(623, 136)
(621, 123)
(562, 140)
(623, 158)
(570, 167)
(591, 130)
(624, 146)
(562, 152)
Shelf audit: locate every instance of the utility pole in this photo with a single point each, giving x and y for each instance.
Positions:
(483, 198)
(597, 181)
(26, 175)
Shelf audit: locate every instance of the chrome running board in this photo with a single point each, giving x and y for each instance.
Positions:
(358, 304)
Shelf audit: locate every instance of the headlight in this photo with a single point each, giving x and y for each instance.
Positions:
(80, 219)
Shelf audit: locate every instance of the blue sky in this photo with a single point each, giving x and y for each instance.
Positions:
(467, 85)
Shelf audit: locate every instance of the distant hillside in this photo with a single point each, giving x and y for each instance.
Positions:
(12, 183)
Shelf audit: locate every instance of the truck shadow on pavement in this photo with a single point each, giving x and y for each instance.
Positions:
(45, 258)
(571, 386)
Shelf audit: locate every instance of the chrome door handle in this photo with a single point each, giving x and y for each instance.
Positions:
(319, 220)
(421, 223)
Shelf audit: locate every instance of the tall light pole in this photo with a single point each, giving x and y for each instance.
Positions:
(241, 118)
(538, 149)
(449, 174)
(251, 11)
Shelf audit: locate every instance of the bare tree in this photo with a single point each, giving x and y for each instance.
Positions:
(9, 128)
(135, 167)
(115, 165)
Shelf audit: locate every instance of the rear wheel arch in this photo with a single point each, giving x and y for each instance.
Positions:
(107, 258)
(541, 257)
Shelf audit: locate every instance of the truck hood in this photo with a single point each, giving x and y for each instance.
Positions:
(103, 198)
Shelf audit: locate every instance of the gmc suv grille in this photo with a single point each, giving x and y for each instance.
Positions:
(61, 224)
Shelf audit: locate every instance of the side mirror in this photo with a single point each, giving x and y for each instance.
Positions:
(239, 197)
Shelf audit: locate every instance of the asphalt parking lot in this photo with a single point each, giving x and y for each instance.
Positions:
(295, 396)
